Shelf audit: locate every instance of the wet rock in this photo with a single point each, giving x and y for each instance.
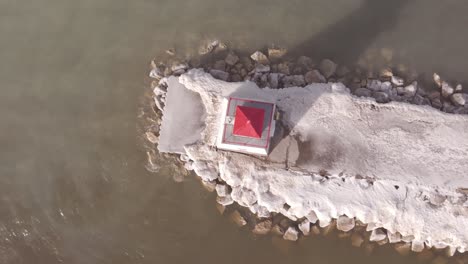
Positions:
(436, 103)
(151, 137)
(386, 87)
(327, 68)
(231, 59)
(450, 251)
(363, 92)
(377, 235)
(179, 68)
(403, 249)
(315, 230)
(314, 77)
(293, 81)
(397, 81)
(237, 218)
(156, 73)
(220, 75)
(209, 185)
(221, 208)
(374, 85)
(263, 227)
(381, 97)
(276, 53)
(222, 190)
(170, 52)
(273, 80)
(345, 223)
(458, 88)
(262, 68)
(329, 228)
(283, 68)
(446, 89)
(448, 107)
(459, 99)
(437, 79)
(260, 57)
(394, 237)
(247, 63)
(225, 200)
(291, 234)
(417, 246)
(356, 240)
(220, 65)
(277, 230)
(408, 238)
(205, 49)
(420, 100)
(304, 226)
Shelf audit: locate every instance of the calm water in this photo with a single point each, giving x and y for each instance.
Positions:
(73, 186)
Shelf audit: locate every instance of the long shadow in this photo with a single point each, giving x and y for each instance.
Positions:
(348, 38)
(344, 42)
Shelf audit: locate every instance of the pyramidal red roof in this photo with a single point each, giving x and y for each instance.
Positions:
(248, 121)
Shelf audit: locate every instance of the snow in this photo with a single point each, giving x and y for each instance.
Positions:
(394, 166)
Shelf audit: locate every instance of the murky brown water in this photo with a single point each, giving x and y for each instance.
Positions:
(73, 186)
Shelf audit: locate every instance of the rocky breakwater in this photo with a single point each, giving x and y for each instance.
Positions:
(273, 69)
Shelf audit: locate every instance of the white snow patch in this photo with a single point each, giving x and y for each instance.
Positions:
(394, 166)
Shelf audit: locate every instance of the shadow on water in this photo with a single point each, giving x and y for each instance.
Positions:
(347, 39)
(344, 42)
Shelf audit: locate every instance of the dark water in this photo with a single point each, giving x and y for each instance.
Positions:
(73, 186)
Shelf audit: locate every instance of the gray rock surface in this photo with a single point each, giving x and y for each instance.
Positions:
(459, 99)
(263, 227)
(231, 59)
(381, 97)
(327, 67)
(314, 76)
(220, 75)
(377, 235)
(293, 80)
(363, 92)
(345, 223)
(259, 57)
(291, 234)
(446, 89)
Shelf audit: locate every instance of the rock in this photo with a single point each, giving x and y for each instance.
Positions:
(381, 97)
(312, 217)
(420, 100)
(450, 251)
(408, 238)
(386, 87)
(151, 137)
(329, 228)
(446, 89)
(397, 81)
(363, 92)
(377, 235)
(236, 78)
(262, 68)
(220, 75)
(327, 67)
(394, 237)
(237, 218)
(403, 248)
(291, 234)
(222, 190)
(356, 240)
(220, 65)
(262, 228)
(437, 79)
(342, 71)
(374, 85)
(231, 59)
(343, 235)
(304, 226)
(205, 49)
(458, 88)
(179, 68)
(273, 80)
(417, 246)
(436, 103)
(209, 185)
(314, 77)
(170, 52)
(225, 200)
(293, 81)
(305, 62)
(283, 68)
(382, 242)
(315, 230)
(276, 53)
(345, 223)
(260, 57)
(459, 99)
(156, 73)
(386, 73)
(293, 152)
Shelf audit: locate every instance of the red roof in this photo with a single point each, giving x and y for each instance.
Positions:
(248, 121)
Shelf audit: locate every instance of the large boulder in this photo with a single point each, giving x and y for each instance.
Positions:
(260, 57)
(293, 81)
(276, 53)
(363, 92)
(446, 89)
(378, 235)
(237, 218)
(304, 226)
(220, 75)
(314, 77)
(291, 234)
(327, 67)
(263, 227)
(231, 59)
